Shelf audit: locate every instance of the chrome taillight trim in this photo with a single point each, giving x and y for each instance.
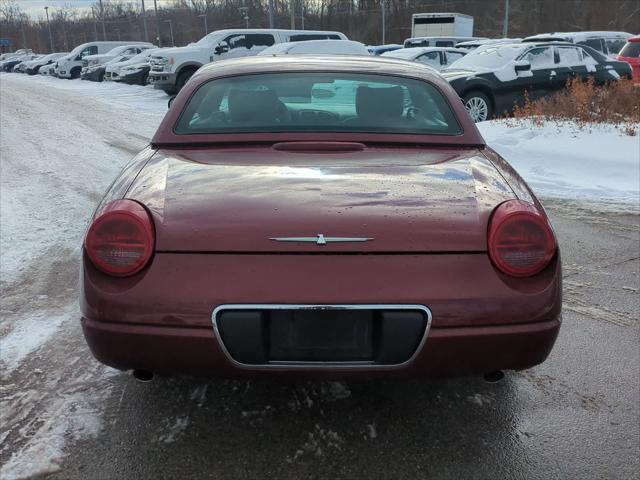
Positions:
(321, 365)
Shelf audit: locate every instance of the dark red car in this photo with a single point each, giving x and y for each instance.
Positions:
(316, 215)
(630, 53)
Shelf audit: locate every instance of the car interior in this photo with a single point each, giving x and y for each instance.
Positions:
(336, 104)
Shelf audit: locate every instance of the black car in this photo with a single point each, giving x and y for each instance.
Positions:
(94, 73)
(494, 78)
(132, 75)
(8, 65)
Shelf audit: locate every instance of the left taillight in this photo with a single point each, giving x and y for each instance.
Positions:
(120, 241)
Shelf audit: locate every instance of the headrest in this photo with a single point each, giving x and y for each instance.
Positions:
(253, 106)
(379, 102)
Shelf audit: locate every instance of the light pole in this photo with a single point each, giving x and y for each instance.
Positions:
(505, 26)
(382, 6)
(302, 14)
(170, 22)
(155, 7)
(292, 14)
(206, 28)
(95, 26)
(144, 22)
(104, 29)
(46, 9)
(271, 22)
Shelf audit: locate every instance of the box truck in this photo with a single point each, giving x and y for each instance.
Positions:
(441, 25)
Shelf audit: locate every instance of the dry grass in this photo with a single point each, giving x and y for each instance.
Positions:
(585, 104)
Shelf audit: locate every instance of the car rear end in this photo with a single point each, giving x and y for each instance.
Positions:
(296, 253)
(630, 53)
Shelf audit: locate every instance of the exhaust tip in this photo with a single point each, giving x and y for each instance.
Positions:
(143, 376)
(493, 377)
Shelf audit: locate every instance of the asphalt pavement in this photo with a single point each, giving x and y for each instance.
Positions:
(575, 416)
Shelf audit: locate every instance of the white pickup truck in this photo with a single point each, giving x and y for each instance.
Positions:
(171, 68)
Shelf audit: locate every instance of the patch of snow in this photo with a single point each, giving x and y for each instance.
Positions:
(68, 144)
(560, 161)
(175, 430)
(28, 334)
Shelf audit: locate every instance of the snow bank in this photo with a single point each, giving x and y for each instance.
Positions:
(559, 161)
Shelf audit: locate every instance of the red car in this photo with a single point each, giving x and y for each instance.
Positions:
(318, 215)
(630, 53)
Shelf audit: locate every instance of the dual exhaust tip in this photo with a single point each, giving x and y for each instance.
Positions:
(145, 376)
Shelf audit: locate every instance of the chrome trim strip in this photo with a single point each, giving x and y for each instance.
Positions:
(313, 365)
(320, 239)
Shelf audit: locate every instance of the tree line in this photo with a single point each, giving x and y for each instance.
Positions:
(360, 19)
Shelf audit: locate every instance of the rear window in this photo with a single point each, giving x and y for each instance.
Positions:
(630, 50)
(318, 102)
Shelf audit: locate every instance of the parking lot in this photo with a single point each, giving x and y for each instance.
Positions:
(66, 416)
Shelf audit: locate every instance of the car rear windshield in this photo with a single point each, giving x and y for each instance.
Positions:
(318, 102)
(630, 50)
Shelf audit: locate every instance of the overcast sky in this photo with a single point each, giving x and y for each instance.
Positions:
(35, 8)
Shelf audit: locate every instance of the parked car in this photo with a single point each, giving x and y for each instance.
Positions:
(70, 66)
(171, 69)
(323, 47)
(492, 79)
(380, 49)
(49, 70)
(33, 66)
(10, 63)
(473, 44)
(93, 66)
(134, 71)
(269, 231)
(630, 53)
(608, 43)
(22, 51)
(434, 57)
(437, 41)
(96, 72)
(22, 66)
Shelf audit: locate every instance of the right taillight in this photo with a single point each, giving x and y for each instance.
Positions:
(521, 241)
(120, 241)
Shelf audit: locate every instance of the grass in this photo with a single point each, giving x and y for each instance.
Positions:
(584, 104)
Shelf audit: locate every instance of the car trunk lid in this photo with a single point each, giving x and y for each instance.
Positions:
(306, 198)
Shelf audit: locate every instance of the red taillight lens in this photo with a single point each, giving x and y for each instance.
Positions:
(121, 239)
(521, 241)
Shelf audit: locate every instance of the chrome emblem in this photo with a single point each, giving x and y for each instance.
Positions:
(320, 239)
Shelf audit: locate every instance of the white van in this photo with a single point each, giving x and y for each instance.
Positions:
(70, 65)
(171, 68)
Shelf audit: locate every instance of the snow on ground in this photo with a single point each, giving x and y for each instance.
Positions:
(61, 144)
(559, 161)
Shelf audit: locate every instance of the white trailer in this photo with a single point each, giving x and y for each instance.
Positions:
(441, 25)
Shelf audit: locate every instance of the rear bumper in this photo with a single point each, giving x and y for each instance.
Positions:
(198, 351)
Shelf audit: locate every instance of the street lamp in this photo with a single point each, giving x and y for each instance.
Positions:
(170, 22)
(46, 9)
(206, 28)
